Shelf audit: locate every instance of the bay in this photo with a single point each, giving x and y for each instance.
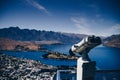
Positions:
(106, 58)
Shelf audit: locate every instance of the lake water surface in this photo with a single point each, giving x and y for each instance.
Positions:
(105, 57)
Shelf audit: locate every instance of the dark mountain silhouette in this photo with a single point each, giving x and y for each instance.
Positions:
(16, 33)
(112, 41)
(51, 37)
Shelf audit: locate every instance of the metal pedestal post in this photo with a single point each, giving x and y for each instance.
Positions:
(85, 69)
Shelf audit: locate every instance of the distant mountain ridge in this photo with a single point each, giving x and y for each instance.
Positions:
(16, 33)
(51, 37)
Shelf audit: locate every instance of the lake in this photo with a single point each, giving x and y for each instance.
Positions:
(105, 57)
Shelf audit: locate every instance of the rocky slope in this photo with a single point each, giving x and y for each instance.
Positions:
(112, 41)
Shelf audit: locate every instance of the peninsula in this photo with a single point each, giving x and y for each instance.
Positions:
(57, 55)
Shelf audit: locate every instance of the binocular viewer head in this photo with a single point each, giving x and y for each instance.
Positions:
(85, 45)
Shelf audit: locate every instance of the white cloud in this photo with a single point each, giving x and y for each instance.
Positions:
(83, 25)
(38, 6)
(96, 26)
(115, 29)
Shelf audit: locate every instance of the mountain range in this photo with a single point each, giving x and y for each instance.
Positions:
(16, 33)
(41, 37)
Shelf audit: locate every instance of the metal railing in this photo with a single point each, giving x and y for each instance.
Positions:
(107, 75)
(100, 75)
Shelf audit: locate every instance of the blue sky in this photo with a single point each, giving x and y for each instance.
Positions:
(98, 17)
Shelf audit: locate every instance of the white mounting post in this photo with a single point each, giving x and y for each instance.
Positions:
(85, 69)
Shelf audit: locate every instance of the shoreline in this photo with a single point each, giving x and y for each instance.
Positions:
(23, 68)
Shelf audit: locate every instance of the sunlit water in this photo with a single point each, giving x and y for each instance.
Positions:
(105, 57)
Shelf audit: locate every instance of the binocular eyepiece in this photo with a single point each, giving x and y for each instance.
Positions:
(94, 40)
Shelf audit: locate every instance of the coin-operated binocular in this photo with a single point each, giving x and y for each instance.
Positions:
(84, 46)
(85, 67)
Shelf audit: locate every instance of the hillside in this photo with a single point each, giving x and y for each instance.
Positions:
(112, 41)
(12, 68)
(9, 44)
(16, 33)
